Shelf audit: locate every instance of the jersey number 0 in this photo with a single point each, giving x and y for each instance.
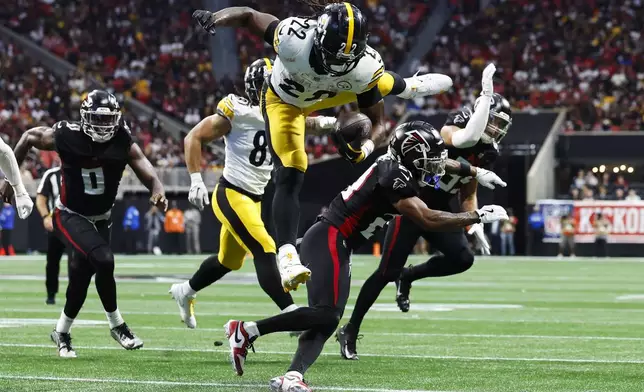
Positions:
(93, 181)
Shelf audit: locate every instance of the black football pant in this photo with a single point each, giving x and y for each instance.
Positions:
(402, 235)
(89, 244)
(55, 251)
(328, 290)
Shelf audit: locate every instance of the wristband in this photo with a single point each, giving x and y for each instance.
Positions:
(368, 147)
(196, 178)
(465, 170)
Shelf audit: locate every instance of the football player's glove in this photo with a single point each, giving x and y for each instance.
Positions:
(487, 84)
(489, 179)
(477, 231)
(198, 195)
(350, 153)
(206, 19)
(492, 213)
(24, 204)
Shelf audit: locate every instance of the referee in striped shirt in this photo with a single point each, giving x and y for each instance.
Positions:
(48, 192)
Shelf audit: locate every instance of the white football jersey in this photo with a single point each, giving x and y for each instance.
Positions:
(248, 162)
(294, 79)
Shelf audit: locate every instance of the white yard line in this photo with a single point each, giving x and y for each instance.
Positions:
(197, 384)
(417, 356)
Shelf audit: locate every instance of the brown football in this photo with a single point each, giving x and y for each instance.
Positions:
(354, 127)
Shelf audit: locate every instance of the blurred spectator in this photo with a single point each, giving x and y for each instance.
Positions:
(508, 228)
(591, 180)
(588, 193)
(153, 223)
(567, 236)
(620, 183)
(174, 227)
(131, 225)
(193, 222)
(579, 181)
(602, 229)
(632, 195)
(536, 231)
(602, 193)
(619, 194)
(574, 194)
(7, 219)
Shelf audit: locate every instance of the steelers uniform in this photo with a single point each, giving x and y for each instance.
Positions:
(296, 88)
(237, 198)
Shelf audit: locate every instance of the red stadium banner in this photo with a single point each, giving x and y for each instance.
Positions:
(626, 219)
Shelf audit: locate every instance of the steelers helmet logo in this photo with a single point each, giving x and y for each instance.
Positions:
(344, 85)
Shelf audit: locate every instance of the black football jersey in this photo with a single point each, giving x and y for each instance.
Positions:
(481, 155)
(91, 172)
(365, 206)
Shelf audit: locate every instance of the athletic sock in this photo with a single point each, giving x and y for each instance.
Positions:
(286, 204)
(210, 271)
(436, 266)
(399, 84)
(64, 324)
(299, 319)
(289, 308)
(251, 328)
(369, 293)
(187, 289)
(114, 318)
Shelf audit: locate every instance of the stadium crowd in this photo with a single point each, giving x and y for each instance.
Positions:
(587, 185)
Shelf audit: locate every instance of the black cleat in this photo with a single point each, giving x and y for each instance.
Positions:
(126, 338)
(347, 338)
(51, 300)
(402, 293)
(64, 343)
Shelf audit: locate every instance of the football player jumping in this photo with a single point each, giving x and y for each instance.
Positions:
(470, 136)
(321, 62)
(417, 157)
(237, 198)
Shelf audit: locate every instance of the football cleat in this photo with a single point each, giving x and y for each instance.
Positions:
(276, 383)
(51, 299)
(347, 337)
(186, 305)
(292, 382)
(402, 294)
(423, 85)
(126, 338)
(292, 272)
(64, 343)
(239, 343)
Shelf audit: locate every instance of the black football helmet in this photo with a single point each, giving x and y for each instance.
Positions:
(500, 120)
(340, 38)
(254, 78)
(100, 115)
(418, 146)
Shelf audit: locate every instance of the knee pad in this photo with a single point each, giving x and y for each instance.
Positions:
(102, 258)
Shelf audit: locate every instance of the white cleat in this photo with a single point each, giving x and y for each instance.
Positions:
(126, 338)
(293, 382)
(64, 343)
(239, 342)
(292, 272)
(276, 383)
(423, 85)
(186, 305)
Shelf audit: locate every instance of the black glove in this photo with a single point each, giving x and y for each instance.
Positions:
(346, 150)
(206, 19)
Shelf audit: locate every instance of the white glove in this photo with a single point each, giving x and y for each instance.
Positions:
(492, 213)
(487, 85)
(325, 123)
(477, 231)
(489, 179)
(24, 204)
(198, 195)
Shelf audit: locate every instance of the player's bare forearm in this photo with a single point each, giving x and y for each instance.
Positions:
(41, 138)
(376, 114)
(41, 205)
(434, 220)
(468, 196)
(144, 171)
(209, 129)
(453, 167)
(255, 21)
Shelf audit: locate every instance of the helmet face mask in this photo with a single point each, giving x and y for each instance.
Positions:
(431, 169)
(499, 121)
(100, 116)
(254, 79)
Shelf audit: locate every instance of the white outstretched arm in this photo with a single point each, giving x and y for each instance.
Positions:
(11, 170)
(471, 134)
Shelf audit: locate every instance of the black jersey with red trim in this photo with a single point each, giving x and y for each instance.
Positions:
(366, 205)
(480, 155)
(91, 172)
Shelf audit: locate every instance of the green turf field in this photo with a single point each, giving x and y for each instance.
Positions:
(506, 325)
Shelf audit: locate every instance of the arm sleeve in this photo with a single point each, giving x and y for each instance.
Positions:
(369, 98)
(270, 35)
(471, 133)
(9, 165)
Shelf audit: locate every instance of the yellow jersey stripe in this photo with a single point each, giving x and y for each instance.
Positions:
(226, 108)
(378, 73)
(347, 49)
(268, 63)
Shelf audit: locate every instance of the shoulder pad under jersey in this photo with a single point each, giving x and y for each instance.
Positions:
(291, 35)
(368, 72)
(233, 106)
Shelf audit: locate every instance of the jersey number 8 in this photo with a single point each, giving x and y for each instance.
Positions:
(259, 153)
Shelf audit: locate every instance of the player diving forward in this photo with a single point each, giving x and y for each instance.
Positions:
(417, 157)
(470, 136)
(94, 154)
(322, 62)
(237, 198)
